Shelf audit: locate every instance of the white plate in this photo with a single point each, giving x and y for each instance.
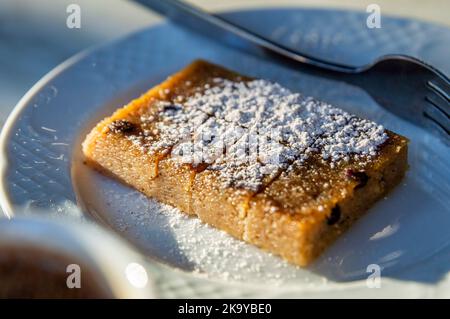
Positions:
(406, 235)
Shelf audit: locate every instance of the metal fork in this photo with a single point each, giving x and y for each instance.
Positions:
(401, 84)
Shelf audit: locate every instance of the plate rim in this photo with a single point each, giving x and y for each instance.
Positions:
(6, 204)
(13, 117)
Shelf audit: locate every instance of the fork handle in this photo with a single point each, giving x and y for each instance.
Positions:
(219, 28)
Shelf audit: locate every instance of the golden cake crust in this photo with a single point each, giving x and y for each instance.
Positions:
(296, 212)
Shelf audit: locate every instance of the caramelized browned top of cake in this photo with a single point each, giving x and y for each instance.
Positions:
(313, 188)
(249, 129)
(158, 120)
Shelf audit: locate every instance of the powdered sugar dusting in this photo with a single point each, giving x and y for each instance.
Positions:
(176, 124)
(249, 131)
(296, 120)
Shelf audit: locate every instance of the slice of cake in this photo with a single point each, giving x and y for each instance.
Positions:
(277, 169)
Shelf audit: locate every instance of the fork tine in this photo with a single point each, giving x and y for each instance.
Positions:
(441, 88)
(434, 114)
(438, 102)
(438, 97)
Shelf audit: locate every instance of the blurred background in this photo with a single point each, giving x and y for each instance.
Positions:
(34, 37)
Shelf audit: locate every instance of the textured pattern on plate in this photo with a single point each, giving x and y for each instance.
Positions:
(50, 122)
